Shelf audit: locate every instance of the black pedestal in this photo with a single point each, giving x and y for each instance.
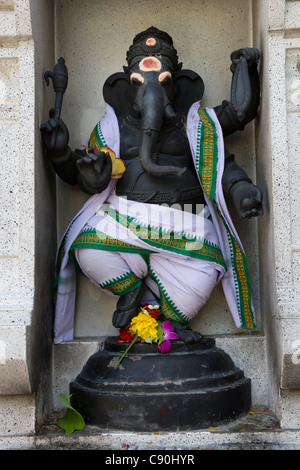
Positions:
(192, 387)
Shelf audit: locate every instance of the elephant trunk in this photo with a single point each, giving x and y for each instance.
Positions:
(154, 109)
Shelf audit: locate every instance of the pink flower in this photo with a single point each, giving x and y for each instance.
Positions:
(169, 334)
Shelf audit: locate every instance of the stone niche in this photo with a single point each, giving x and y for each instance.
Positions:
(202, 45)
(93, 38)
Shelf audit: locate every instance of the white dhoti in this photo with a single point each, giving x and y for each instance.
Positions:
(174, 253)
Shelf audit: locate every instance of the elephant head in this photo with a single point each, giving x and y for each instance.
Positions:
(153, 89)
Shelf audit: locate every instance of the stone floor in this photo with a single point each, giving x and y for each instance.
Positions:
(258, 430)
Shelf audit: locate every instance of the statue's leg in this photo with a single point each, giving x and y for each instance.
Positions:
(110, 271)
(184, 285)
(128, 306)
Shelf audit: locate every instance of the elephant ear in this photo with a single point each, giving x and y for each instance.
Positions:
(116, 92)
(189, 88)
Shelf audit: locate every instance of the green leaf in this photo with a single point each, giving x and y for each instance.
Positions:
(160, 332)
(72, 421)
(150, 340)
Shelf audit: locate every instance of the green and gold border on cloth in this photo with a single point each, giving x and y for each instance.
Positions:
(207, 153)
(96, 138)
(94, 239)
(206, 165)
(122, 284)
(242, 283)
(168, 308)
(195, 247)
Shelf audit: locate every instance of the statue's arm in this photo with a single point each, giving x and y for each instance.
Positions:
(90, 170)
(238, 187)
(242, 108)
(65, 165)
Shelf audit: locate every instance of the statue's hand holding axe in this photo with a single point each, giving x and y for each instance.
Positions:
(55, 134)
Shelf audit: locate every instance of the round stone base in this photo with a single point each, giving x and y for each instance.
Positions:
(192, 387)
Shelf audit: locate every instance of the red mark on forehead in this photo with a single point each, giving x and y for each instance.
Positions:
(151, 42)
(150, 64)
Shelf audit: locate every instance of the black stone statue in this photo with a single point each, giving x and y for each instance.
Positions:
(151, 100)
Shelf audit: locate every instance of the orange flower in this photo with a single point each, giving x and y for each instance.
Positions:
(118, 166)
(144, 325)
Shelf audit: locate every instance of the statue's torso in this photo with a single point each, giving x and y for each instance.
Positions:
(172, 149)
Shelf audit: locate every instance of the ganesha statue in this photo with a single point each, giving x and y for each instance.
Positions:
(156, 228)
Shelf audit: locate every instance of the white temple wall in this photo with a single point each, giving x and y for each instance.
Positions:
(35, 206)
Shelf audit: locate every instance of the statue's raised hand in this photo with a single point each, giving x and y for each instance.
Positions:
(247, 199)
(250, 54)
(94, 171)
(55, 136)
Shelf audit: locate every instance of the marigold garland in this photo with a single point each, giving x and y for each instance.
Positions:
(145, 327)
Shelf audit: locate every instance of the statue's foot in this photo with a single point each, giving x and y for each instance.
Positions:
(127, 307)
(187, 335)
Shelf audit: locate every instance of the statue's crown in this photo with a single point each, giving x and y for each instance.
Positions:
(153, 42)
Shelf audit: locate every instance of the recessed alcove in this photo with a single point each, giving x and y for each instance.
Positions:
(204, 35)
(36, 207)
(93, 37)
